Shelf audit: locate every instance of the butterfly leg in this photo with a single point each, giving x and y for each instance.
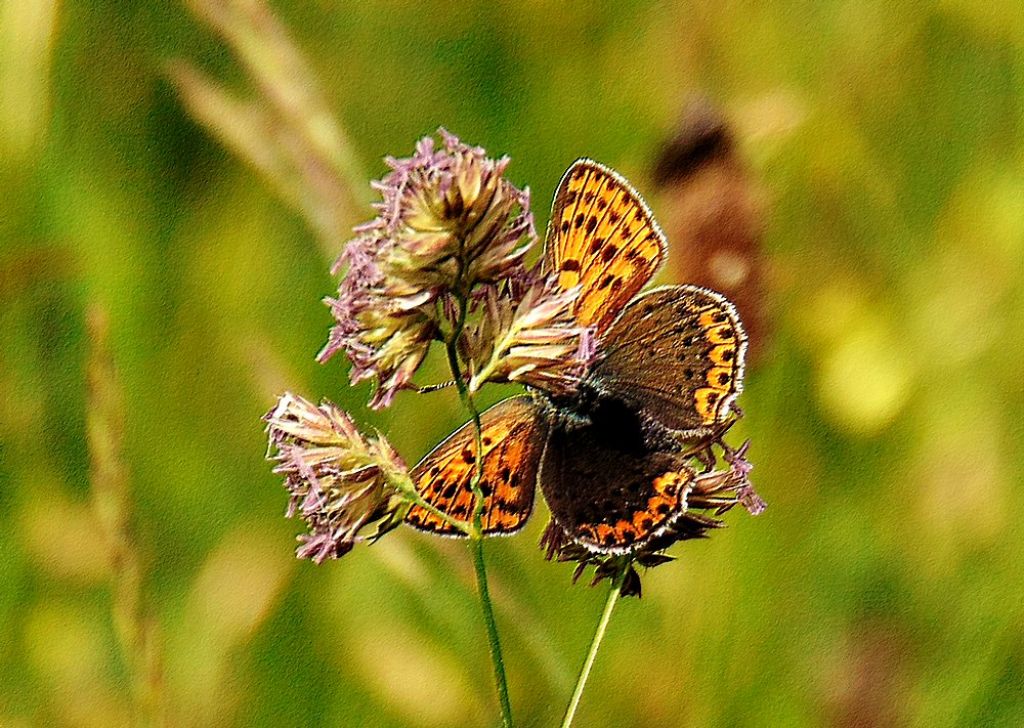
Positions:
(706, 456)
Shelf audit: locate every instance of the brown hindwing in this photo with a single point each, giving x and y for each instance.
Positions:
(676, 354)
(609, 498)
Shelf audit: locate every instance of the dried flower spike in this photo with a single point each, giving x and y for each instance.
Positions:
(455, 219)
(385, 335)
(340, 482)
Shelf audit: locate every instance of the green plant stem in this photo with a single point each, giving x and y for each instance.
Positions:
(408, 488)
(595, 644)
(476, 537)
(476, 546)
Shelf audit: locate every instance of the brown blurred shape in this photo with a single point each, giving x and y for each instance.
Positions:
(712, 210)
(136, 628)
(867, 685)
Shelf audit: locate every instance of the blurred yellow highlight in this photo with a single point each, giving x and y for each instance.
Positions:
(423, 686)
(66, 650)
(236, 590)
(64, 539)
(865, 379)
(27, 31)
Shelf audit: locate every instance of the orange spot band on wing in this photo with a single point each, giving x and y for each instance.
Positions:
(724, 334)
(723, 355)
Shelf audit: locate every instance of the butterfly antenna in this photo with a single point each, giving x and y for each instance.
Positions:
(435, 387)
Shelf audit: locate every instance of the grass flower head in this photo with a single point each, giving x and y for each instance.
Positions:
(448, 221)
(340, 482)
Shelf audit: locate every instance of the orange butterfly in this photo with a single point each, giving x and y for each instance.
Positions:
(610, 459)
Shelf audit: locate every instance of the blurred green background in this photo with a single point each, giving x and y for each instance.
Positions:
(883, 586)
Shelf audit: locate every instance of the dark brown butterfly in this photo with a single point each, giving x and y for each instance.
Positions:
(610, 459)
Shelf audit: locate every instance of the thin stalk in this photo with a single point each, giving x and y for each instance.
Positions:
(476, 540)
(112, 502)
(451, 347)
(408, 488)
(595, 644)
(476, 546)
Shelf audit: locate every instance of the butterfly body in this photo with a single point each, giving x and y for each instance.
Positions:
(611, 458)
(613, 420)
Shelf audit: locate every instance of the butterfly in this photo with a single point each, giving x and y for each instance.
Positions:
(611, 459)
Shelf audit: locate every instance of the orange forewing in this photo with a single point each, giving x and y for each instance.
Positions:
(602, 238)
(512, 434)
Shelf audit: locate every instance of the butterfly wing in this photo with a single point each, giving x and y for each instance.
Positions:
(607, 494)
(513, 436)
(676, 353)
(603, 238)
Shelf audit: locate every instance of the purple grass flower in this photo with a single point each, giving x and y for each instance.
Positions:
(740, 469)
(448, 221)
(338, 479)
